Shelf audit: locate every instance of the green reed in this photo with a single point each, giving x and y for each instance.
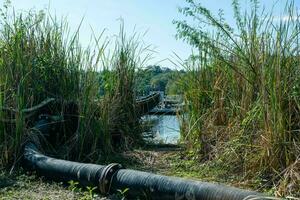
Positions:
(242, 90)
(40, 58)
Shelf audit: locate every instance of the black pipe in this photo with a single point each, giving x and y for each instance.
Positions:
(164, 187)
(113, 177)
(140, 184)
(60, 170)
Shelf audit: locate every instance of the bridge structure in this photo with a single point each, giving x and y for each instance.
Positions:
(146, 103)
(161, 104)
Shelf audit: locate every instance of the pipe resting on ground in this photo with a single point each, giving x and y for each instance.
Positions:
(113, 177)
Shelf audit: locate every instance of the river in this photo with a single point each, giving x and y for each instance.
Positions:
(163, 128)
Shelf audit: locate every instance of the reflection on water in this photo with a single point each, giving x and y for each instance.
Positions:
(163, 128)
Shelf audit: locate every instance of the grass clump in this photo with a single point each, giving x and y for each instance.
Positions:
(35, 63)
(242, 93)
(40, 59)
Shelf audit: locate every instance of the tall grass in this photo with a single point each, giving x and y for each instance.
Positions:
(39, 59)
(116, 116)
(242, 92)
(36, 63)
(130, 54)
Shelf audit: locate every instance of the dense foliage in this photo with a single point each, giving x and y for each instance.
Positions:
(242, 92)
(156, 78)
(40, 59)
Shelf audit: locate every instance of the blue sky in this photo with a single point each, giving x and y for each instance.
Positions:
(153, 16)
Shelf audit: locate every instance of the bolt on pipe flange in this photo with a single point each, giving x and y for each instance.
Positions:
(106, 176)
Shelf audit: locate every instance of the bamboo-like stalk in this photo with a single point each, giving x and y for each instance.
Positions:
(244, 85)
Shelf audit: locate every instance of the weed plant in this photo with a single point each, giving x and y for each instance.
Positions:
(242, 92)
(40, 58)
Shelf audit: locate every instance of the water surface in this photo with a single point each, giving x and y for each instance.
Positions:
(164, 128)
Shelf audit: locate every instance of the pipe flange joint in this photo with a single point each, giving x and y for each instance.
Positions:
(106, 176)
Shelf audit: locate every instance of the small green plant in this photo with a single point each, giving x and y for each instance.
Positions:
(74, 186)
(122, 193)
(89, 194)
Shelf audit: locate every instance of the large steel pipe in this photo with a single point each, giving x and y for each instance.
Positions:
(140, 184)
(111, 178)
(164, 187)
